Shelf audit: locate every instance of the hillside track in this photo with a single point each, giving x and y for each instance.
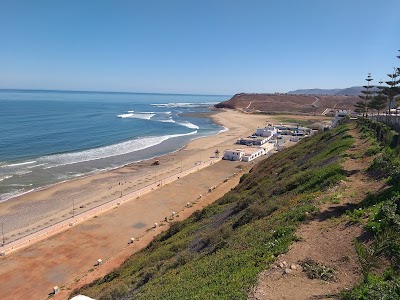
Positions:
(327, 239)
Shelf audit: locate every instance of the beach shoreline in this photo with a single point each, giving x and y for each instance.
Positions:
(167, 151)
(46, 206)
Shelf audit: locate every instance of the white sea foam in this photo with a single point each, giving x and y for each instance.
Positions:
(167, 121)
(14, 193)
(131, 111)
(188, 124)
(223, 130)
(107, 151)
(34, 166)
(19, 164)
(144, 116)
(20, 184)
(22, 172)
(5, 177)
(69, 176)
(200, 104)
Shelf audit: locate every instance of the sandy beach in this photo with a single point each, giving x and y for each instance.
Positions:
(39, 209)
(65, 259)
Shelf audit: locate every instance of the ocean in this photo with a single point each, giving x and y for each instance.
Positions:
(48, 137)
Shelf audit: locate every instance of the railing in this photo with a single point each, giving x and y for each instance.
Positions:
(78, 218)
(391, 120)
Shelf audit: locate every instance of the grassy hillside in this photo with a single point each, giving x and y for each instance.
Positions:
(378, 249)
(219, 251)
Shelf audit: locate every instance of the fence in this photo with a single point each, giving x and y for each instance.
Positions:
(391, 120)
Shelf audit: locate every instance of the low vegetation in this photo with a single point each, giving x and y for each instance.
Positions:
(379, 250)
(219, 251)
(315, 270)
(300, 122)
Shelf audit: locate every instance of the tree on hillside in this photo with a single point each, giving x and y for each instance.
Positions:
(392, 89)
(379, 100)
(398, 69)
(397, 99)
(360, 107)
(367, 97)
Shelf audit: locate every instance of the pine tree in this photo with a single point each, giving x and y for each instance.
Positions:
(398, 69)
(360, 107)
(367, 97)
(379, 101)
(392, 89)
(397, 99)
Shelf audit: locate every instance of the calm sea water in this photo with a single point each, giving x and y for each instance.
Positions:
(52, 136)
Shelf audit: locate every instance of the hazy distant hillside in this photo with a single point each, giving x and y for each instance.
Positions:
(351, 91)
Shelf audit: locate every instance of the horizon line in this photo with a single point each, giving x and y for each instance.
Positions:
(108, 92)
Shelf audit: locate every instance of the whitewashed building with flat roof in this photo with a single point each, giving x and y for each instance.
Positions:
(252, 153)
(269, 147)
(340, 114)
(236, 154)
(268, 131)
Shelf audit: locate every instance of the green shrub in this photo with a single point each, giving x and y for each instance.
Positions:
(377, 288)
(372, 150)
(315, 270)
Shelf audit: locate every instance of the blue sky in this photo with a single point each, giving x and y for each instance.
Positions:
(212, 47)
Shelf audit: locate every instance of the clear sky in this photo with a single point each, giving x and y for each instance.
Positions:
(202, 46)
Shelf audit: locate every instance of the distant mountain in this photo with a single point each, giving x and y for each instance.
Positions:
(351, 91)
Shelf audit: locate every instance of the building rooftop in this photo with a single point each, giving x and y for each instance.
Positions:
(250, 150)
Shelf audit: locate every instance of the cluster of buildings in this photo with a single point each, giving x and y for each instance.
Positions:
(263, 141)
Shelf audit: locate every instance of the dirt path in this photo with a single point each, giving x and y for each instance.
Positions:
(327, 239)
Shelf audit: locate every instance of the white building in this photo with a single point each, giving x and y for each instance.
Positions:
(340, 114)
(251, 141)
(269, 146)
(233, 154)
(268, 131)
(252, 153)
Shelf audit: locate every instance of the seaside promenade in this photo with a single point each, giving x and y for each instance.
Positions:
(49, 231)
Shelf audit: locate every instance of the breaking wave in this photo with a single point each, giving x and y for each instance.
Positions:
(188, 124)
(202, 104)
(5, 177)
(168, 121)
(19, 164)
(144, 115)
(107, 151)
